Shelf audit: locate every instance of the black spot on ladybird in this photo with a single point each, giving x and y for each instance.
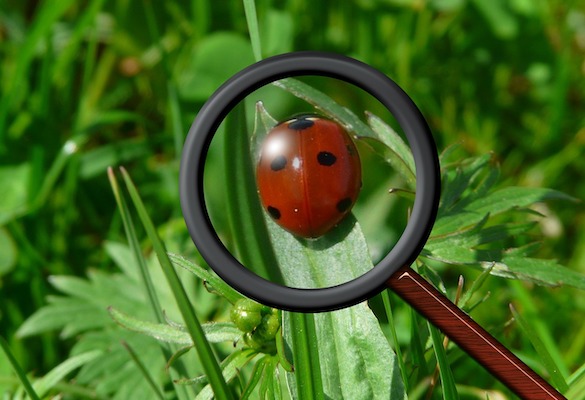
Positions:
(343, 204)
(278, 163)
(274, 212)
(325, 158)
(300, 124)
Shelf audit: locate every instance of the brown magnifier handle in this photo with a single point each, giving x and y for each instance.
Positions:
(471, 337)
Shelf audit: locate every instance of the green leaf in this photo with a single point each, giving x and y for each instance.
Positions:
(493, 203)
(542, 272)
(457, 179)
(46, 383)
(350, 339)
(114, 374)
(204, 67)
(278, 32)
(547, 360)
(215, 332)
(478, 235)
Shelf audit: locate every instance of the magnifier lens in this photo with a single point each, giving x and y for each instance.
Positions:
(300, 178)
(359, 284)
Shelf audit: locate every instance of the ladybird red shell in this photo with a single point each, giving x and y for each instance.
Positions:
(308, 175)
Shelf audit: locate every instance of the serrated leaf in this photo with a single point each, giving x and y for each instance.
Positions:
(123, 257)
(214, 331)
(493, 203)
(114, 365)
(542, 272)
(478, 235)
(457, 179)
(63, 313)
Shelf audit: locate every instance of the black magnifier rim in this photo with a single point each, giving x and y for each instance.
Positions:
(235, 90)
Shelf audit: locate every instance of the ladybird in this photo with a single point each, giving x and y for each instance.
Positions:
(308, 175)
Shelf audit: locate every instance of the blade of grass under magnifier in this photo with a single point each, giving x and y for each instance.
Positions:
(470, 337)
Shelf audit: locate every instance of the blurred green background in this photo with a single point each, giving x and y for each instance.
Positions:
(85, 85)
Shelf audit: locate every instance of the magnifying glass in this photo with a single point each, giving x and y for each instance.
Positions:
(393, 270)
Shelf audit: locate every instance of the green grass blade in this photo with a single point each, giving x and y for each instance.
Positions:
(47, 14)
(157, 391)
(180, 368)
(577, 385)
(201, 16)
(85, 23)
(135, 245)
(531, 313)
(305, 357)
(417, 345)
(548, 361)
(252, 21)
(243, 207)
(194, 328)
(18, 370)
(388, 309)
(447, 380)
(174, 106)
